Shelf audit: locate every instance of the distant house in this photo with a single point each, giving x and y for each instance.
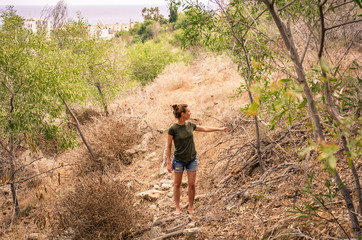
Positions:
(108, 30)
(36, 23)
(117, 27)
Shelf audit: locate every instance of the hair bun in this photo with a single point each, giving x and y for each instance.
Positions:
(175, 107)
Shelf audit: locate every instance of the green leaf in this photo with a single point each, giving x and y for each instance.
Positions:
(324, 65)
(285, 80)
(358, 2)
(302, 104)
(258, 196)
(323, 79)
(253, 109)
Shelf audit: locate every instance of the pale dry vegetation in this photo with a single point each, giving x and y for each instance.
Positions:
(111, 137)
(206, 85)
(99, 208)
(234, 200)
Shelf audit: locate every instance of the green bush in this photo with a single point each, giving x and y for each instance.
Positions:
(147, 61)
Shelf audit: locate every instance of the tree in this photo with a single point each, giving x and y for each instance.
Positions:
(288, 40)
(35, 78)
(151, 13)
(173, 7)
(238, 25)
(58, 16)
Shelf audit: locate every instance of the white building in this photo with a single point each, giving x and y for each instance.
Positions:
(34, 24)
(106, 31)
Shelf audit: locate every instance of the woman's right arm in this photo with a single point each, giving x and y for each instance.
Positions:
(168, 153)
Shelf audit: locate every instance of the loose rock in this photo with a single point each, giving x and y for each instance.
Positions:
(151, 195)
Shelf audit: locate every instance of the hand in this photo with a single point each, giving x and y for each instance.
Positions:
(224, 129)
(169, 167)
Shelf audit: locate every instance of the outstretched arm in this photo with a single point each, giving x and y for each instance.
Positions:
(210, 129)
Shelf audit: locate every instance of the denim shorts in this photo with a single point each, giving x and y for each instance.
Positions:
(179, 166)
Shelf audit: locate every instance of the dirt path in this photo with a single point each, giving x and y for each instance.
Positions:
(206, 86)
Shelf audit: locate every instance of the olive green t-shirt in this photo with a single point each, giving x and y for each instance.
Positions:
(183, 138)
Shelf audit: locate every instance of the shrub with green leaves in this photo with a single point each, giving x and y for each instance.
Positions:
(147, 61)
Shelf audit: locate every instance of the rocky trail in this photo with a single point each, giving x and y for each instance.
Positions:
(206, 89)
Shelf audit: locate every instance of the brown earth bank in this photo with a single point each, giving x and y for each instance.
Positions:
(132, 198)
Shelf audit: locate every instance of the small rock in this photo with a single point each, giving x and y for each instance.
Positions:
(166, 186)
(191, 225)
(170, 194)
(130, 151)
(165, 203)
(167, 181)
(151, 195)
(157, 187)
(162, 172)
(151, 155)
(191, 234)
(36, 236)
(161, 130)
(153, 207)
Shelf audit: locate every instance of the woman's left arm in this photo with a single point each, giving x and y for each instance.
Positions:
(210, 129)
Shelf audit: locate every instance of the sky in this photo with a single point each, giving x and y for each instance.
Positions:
(83, 2)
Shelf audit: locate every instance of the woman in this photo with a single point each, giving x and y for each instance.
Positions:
(181, 133)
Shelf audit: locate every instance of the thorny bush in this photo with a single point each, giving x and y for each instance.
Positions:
(110, 138)
(99, 209)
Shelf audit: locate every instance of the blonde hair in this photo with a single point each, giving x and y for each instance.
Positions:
(178, 109)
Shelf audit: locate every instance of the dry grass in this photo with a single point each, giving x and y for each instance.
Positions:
(99, 208)
(205, 85)
(86, 115)
(111, 137)
(255, 205)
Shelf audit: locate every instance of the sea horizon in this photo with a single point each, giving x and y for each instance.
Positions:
(93, 14)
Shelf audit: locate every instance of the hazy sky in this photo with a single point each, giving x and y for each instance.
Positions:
(83, 2)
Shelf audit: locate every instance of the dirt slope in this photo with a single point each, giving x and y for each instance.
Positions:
(234, 200)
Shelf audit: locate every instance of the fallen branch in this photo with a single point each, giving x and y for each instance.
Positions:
(155, 224)
(181, 226)
(174, 234)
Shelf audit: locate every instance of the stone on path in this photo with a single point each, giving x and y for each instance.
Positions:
(191, 233)
(151, 195)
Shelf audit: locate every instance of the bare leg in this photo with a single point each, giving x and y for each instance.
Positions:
(177, 191)
(191, 177)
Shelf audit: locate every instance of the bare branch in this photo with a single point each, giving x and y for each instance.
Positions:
(342, 4)
(343, 24)
(22, 167)
(34, 176)
(284, 7)
(308, 42)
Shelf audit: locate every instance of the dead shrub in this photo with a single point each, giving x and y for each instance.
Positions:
(87, 115)
(110, 137)
(99, 209)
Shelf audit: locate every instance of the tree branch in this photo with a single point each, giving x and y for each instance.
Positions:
(94, 157)
(343, 24)
(34, 176)
(308, 42)
(342, 4)
(284, 7)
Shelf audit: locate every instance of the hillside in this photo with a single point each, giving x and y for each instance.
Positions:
(234, 200)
